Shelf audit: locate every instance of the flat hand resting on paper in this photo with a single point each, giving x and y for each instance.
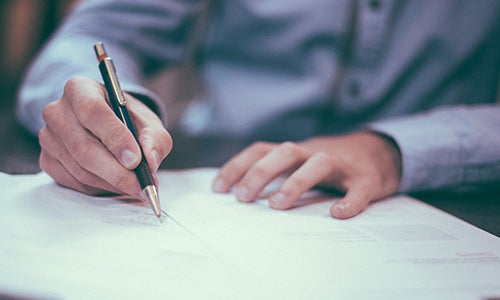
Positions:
(364, 165)
(84, 146)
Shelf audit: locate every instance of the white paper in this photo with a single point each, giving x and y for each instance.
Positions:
(60, 243)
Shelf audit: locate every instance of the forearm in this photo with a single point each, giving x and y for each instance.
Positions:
(60, 61)
(449, 148)
(140, 43)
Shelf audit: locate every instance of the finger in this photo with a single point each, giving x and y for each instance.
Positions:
(279, 160)
(54, 152)
(312, 172)
(57, 171)
(94, 114)
(232, 171)
(155, 141)
(89, 153)
(355, 200)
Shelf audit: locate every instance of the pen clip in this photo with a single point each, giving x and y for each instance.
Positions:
(109, 72)
(113, 78)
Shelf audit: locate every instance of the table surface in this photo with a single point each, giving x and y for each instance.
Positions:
(19, 155)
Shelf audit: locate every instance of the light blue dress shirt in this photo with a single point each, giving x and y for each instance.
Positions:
(423, 72)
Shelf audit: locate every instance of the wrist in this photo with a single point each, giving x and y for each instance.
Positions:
(389, 152)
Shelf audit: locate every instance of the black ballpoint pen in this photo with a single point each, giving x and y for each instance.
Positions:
(119, 104)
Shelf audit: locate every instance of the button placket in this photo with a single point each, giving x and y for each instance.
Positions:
(374, 4)
(371, 34)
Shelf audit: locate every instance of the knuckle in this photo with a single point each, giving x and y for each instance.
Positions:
(71, 85)
(89, 114)
(324, 161)
(147, 132)
(289, 149)
(258, 171)
(43, 162)
(48, 142)
(323, 157)
(166, 142)
(296, 181)
(259, 147)
(42, 136)
(114, 137)
(50, 112)
(74, 84)
(82, 152)
(157, 138)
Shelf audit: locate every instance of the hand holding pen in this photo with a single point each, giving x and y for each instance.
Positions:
(84, 146)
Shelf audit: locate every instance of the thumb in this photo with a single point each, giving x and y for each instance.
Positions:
(355, 200)
(120, 141)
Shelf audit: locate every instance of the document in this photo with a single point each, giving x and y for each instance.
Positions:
(62, 244)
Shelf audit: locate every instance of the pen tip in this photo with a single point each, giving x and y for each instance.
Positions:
(152, 196)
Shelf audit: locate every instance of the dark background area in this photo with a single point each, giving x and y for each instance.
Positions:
(26, 25)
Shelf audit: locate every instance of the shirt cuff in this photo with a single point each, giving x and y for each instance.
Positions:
(429, 155)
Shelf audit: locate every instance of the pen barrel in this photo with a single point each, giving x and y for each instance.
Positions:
(142, 170)
(113, 98)
(143, 173)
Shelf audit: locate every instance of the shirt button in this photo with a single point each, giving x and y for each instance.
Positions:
(374, 4)
(354, 88)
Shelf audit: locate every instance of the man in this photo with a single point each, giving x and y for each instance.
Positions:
(367, 97)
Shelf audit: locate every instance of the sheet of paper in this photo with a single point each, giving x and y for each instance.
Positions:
(60, 243)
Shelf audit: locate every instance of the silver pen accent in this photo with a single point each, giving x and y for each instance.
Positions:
(119, 105)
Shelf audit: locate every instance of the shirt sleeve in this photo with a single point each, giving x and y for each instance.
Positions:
(455, 147)
(141, 37)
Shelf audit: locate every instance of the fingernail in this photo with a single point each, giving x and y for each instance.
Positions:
(218, 185)
(278, 199)
(241, 193)
(341, 207)
(129, 158)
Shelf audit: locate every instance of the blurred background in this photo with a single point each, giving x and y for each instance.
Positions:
(25, 26)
